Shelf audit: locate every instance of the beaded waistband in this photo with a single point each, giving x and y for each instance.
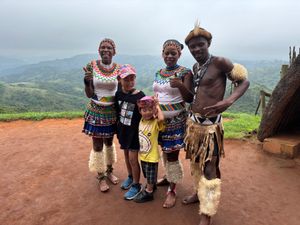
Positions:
(172, 107)
(107, 99)
(104, 99)
(196, 117)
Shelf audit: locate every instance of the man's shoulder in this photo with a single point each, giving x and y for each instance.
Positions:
(220, 59)
(222, 63)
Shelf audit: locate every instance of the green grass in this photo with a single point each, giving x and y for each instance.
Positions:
(237, 126)
(40, 116)
(240, 125)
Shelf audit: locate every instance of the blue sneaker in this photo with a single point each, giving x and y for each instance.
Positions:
(127, 183)
(133, 192)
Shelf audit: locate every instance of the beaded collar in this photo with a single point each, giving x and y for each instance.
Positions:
(170, 71)
(169, 68)
(103, 70)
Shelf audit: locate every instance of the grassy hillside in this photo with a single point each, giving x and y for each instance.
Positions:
(236, 125)
(25, 97)
(57, 85)
(8, 117)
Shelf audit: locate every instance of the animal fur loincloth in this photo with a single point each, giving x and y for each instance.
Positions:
(200, 141)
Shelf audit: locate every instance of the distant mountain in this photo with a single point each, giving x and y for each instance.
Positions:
(8, 63)
(57, 85)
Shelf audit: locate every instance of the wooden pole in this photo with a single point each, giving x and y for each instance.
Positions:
(263, 102)
(257, 106)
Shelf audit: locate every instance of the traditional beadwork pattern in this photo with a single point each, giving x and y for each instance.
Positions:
(172, 107)
(171, 139)
(100, 121)
(163, 76)
(105, 74)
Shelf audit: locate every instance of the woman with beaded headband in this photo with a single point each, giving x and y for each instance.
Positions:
(172, 85)
(101, 83)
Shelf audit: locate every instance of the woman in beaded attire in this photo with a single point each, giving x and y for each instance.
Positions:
(172, 85)
(100, 116)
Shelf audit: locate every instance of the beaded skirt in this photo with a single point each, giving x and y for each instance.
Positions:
(100, 120)
(171, 139)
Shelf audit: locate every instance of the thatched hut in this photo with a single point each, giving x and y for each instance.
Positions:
(282, 114)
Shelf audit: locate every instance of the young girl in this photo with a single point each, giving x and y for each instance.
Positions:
(150, 125)
(127, 128)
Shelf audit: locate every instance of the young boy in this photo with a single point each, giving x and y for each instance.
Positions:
(150, 125)
(127, 128)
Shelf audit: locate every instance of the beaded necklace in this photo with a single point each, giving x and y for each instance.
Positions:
(201, 70)
(104, 72)
(163, 76)
(170, 71)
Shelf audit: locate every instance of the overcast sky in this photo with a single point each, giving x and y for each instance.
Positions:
(243, 29)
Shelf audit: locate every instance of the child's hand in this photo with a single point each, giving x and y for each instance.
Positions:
(155, 99)
(156, 107)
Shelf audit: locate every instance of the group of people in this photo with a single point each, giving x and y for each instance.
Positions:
(142, 123)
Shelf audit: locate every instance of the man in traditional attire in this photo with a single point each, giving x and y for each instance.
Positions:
(204, 134)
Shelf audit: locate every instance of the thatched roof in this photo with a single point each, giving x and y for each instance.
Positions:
(283, 110)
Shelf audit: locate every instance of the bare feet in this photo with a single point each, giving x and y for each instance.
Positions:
(170, 200)
(190, 199)
(205, 220)
(112, 178)
(103, 185)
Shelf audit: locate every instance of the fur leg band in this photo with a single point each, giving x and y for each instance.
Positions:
(163, 159)
(110, 154)
(196, 174)
(238, 73)
(174, 171)
(97, 162)
(209, 193)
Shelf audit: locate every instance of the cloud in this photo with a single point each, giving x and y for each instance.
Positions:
(259, 29)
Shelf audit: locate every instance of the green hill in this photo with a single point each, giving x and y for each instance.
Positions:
(57, 85)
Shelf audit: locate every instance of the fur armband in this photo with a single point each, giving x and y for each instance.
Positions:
(238, 73)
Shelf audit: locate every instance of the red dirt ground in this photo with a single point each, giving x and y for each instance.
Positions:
(45, 180)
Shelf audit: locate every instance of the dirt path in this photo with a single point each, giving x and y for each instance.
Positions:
(45, 180)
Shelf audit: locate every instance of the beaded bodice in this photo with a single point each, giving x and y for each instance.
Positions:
(105, 73)
(169, 97)
(161, 85)
(105, 81)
